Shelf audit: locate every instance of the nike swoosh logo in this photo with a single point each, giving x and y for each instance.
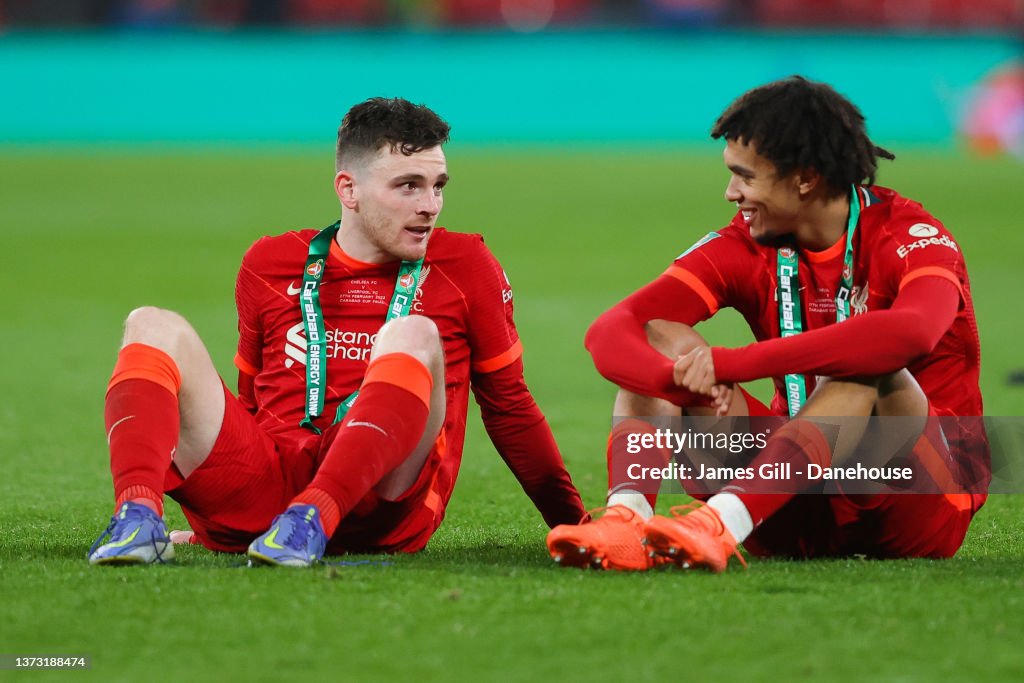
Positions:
(123, 419)
(126, 541)
(293, 290)
(270, 543)
(367, 424)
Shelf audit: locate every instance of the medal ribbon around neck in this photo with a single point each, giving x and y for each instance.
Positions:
(790, 306)
(313, 321)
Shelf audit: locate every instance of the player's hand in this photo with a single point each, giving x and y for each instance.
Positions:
(696, 371)
(721, 399)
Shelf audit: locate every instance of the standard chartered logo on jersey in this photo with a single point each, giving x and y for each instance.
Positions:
(338, 344)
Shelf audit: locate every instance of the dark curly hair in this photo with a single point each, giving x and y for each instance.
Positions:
(796, 124)
(379, 121)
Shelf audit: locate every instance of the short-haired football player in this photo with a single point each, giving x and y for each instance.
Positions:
(358, 347)
(813, 243)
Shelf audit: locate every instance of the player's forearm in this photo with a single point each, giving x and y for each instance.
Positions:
(876, 343)
(522, 437)
(617, 342)
(528, 447)
(618, 346)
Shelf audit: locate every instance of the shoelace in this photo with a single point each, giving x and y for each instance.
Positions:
(154, 537)
(300, 531)
(156, 548)
(107, 533)
(631, 514)
(680, 511)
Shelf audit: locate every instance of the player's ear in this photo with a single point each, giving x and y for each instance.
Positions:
(807, 180)
(344, 187)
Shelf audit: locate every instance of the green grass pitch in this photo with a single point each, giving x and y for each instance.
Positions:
(88, 234)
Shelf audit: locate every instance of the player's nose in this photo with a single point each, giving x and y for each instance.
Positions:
(430, 205)
(732, 193)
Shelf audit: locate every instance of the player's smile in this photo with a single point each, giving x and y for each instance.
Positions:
(765, 201)
(752, 218)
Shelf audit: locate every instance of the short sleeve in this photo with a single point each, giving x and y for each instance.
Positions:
(712, 267)
(493, 339)
(922, 248)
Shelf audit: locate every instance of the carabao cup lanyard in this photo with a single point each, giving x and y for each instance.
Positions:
(790, 307)
(313, 321)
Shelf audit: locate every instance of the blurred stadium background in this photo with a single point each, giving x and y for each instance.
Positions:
(145, 143)
(957, 15)
(930, 71)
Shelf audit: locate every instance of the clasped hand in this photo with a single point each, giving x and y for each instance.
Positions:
(695, 371)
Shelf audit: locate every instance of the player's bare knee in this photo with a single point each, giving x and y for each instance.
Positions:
(162, 329)
(415, 335)
(628, 403)
(672, 339)
(154, 326)
(900, 394)
(846, 384)
(901, 380)
(854, 396)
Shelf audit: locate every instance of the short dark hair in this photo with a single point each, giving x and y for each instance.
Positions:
(798, 124)
(379, 121)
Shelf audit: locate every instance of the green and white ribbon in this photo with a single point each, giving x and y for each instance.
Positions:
(313, 321)
(791, 307)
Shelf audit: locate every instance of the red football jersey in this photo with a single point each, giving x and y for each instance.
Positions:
(896, 242)
(462, 288)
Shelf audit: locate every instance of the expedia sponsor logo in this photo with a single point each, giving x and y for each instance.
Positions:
(337, 344)
(316, 268)
(506, 292)
(923, 230)
(922, 243)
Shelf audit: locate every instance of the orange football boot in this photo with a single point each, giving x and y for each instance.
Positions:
(613, 541)
(693, 538)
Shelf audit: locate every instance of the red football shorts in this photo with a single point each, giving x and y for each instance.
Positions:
(249, 478)
(884, 525)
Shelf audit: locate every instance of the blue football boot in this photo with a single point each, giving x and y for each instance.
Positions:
(137, 536)
(295, 539)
